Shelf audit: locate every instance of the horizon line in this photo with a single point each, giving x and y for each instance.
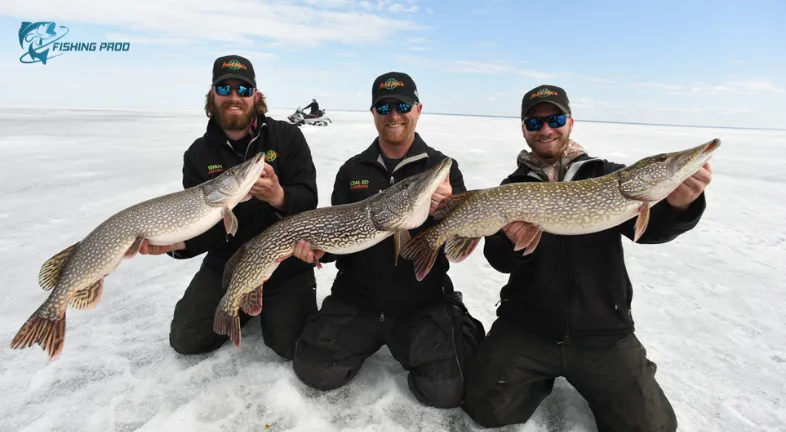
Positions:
(4, 106)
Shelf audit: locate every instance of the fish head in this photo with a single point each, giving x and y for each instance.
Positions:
(233, 185)
(654, 178)
(405, 204)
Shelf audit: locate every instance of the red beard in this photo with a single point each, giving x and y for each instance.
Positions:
(235, 121)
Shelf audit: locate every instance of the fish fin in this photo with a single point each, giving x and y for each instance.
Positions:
(246, 198)
(229, 267)
(400, 237)
(422, 250)
(134, 249)
(226, 323)
(532, 231)
(641, 221)
(88, 298)
(459, 248)
(50, 272)
(49, 334)
(230, 221)
(450, 203)
(533, 243)
(251, 303)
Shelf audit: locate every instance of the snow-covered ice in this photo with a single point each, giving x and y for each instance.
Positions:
(709, 306)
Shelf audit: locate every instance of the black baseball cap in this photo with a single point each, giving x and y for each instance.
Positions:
(395, 85)
(233, 66)
(545, 93)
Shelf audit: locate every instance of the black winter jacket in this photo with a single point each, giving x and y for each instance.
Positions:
(287, 152)
(575, 288)
(369, 279)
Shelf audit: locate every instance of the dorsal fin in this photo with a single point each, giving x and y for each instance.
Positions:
(50, 272)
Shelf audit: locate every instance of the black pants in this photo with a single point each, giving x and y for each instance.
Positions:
(513, 371)
(431, 344)
(285, 308)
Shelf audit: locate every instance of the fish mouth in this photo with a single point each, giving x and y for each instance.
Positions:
(711, 146)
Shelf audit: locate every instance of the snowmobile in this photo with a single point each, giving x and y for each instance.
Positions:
(300, 118)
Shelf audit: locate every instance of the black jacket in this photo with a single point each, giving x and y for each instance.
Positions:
(369, 279)
(577, 287)
(287, 152)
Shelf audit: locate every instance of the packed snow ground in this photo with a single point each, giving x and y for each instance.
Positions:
(709, 307)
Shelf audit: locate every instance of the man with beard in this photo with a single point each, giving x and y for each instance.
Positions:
(375, 301)
(237, 130)
(565, 310)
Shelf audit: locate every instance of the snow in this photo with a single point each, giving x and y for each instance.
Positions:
(709, 306)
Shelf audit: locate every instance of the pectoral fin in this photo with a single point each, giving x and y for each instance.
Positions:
(400, 237)
(230, 221)
(450, 203)
(641, 221)
(530, 240)
(134, 248)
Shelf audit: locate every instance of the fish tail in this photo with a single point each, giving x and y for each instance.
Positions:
(422, 250)
(49, 334)
(227, 323)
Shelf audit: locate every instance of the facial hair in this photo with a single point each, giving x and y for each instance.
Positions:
(235, 121)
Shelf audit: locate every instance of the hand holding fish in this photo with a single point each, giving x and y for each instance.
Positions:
(443, 191)
(691, 188)
(268, 189)
(304, 252)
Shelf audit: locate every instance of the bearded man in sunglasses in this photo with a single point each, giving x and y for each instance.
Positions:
(376, 302)
(565, 310)
(237, 130)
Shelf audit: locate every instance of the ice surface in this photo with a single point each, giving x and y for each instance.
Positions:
(709, 307)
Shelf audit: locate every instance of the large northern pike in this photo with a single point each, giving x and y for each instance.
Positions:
(563, 208)
(340, 229)
(76, 274)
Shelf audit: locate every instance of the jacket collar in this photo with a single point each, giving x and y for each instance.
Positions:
(373, 154)
(525, 173)
(215, 135)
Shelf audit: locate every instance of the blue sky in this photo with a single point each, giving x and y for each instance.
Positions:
(718, 63)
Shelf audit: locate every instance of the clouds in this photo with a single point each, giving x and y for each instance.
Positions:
(240, 21)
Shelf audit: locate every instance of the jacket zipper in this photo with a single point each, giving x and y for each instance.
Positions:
(392, 181)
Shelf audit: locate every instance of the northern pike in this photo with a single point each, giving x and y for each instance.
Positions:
(562, 208)
(339, 229)
(76, 274)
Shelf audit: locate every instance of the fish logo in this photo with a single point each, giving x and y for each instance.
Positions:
(390, 84)
(234, 65)
(36, 38)
(544, 92)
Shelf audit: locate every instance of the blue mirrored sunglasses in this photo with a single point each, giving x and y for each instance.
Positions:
(554, 121)
(387, 108)
(226, 90)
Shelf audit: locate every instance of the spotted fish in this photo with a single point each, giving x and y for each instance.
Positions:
(76, 274)
(339, 229)
(563, 208)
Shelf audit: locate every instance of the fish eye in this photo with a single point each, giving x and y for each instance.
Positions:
(232, 172)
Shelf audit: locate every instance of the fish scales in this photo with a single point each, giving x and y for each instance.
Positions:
(76, 274)
(562, 208)
(340, 229)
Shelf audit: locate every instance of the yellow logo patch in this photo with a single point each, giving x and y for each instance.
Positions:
(270, 156)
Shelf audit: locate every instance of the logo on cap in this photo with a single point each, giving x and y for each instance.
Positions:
(234, 65)
(390, 84)
(544, 92)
